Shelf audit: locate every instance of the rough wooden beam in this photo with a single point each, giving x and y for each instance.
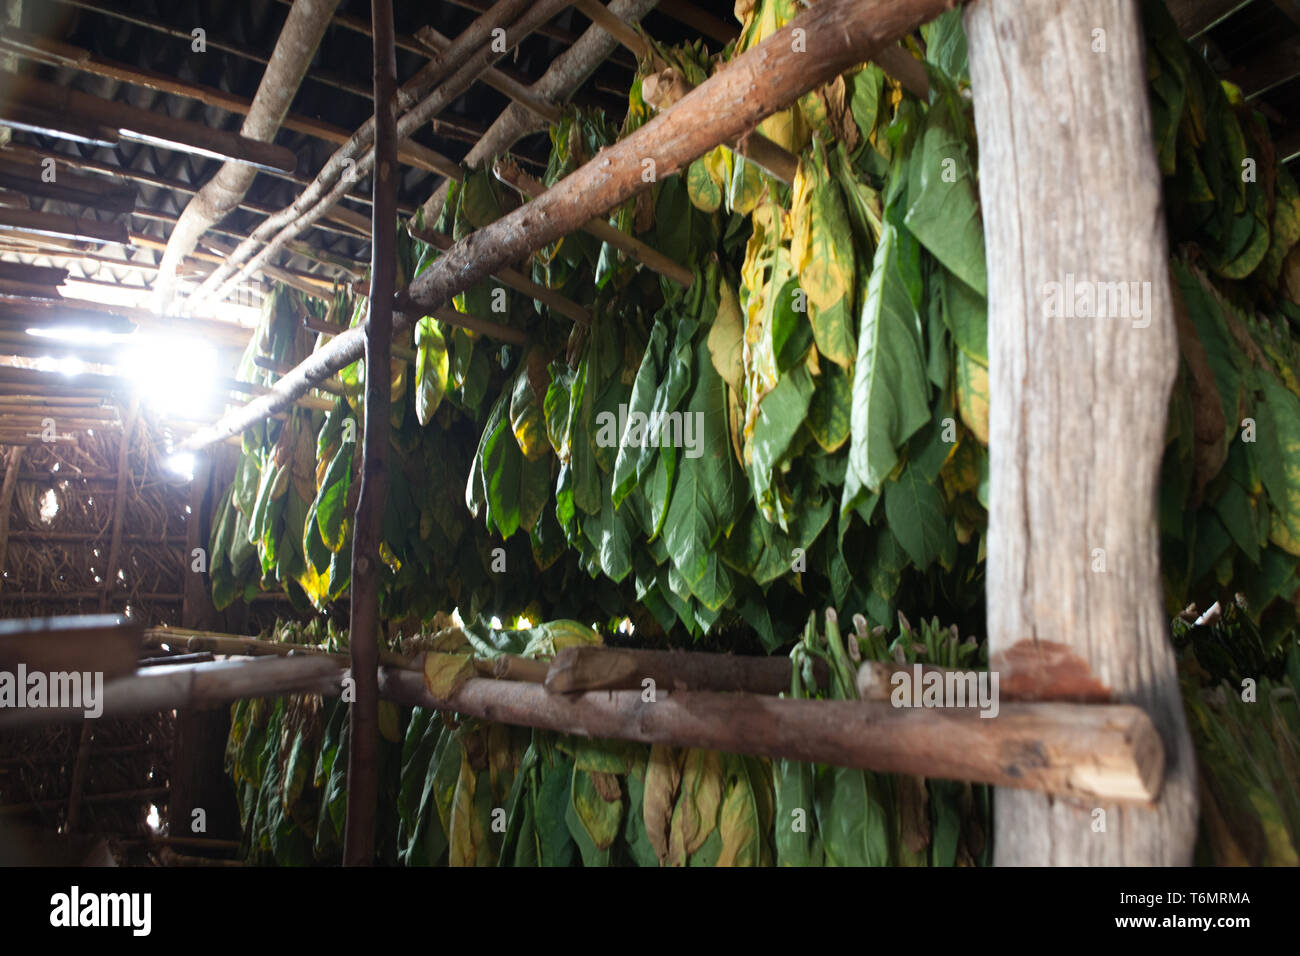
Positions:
(1077, 406)
(1092, 752)
(551, 32)
(29, 179)
(661, 90)
(516, 280)
(43, 122)
(496, 78)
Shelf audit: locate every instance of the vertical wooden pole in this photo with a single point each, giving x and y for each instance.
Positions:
(7, 502)
(359, 831)
(1078, 398)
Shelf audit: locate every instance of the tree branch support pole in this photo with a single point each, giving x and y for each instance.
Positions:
(1071, 192)
(363, 782)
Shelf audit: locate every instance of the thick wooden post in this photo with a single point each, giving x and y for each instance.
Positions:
(1078, 397)
(359, 832)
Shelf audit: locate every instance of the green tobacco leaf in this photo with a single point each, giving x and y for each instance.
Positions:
(1284, 530)
(915, 512)
(852, 818)
(945, 44)
(703, 182)
(726, 339)
(706, 497)
(890, 389)
(780, 414)
(797, 841)
(944, 199)
(864, 102)
(330, 506)
(830, 411)
(821, 251)
(431, 370)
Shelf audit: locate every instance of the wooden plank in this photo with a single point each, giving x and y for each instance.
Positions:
(107, 644)
(157, 129)
(77, 228)
(37, 275)
(1077, 405)
(213, 42)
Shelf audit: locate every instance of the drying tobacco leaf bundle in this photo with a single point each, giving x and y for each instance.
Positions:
(838, 816)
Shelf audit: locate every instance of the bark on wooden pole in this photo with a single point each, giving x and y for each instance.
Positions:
(1084, 750)
(756, 84)
(363, 642)
(1071, 194)
(1093, 751)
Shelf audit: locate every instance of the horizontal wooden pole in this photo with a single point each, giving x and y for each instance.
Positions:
(436, 43)
(661, 90)
(509, 173)
(515, 280)
(1099, 752)
(618, 668)
(1095, 752)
